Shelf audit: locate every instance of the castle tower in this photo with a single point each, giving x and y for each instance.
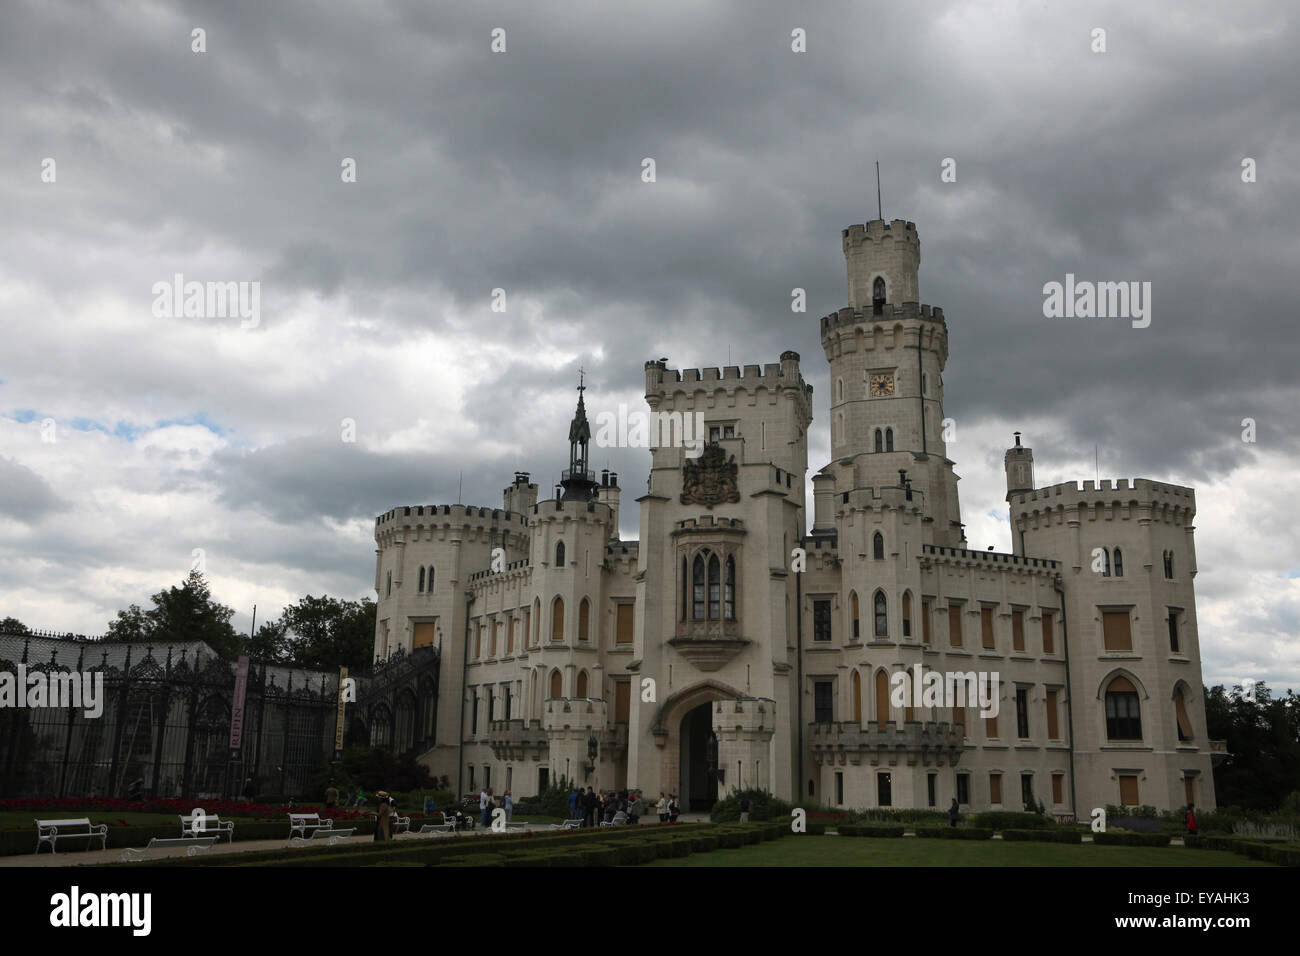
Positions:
(887, 354)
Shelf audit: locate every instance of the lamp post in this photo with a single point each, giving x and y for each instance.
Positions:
(592, 749)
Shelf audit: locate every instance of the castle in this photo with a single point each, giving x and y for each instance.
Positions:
(732, 647)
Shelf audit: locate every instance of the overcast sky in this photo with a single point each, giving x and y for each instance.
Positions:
(522, 170)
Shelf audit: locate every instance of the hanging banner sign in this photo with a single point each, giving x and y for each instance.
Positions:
(237, 707)
(338, 726)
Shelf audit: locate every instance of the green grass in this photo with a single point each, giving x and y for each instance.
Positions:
(908, 851)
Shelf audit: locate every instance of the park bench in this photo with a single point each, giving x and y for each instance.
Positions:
(209, 824)
(308, 826)
(567, 825)
(52, 831)
(194, 842)
(449, 821)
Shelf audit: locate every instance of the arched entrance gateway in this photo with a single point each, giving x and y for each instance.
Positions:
(685, 723)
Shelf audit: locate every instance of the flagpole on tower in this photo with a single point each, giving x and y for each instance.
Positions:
(880, 210)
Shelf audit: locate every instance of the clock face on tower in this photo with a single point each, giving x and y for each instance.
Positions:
(882, 384)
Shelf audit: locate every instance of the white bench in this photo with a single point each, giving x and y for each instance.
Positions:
(567, 825)
(396, 824)
(52, 831)
(194, 843)
(210, 824)
(449, 822)
(310, 825)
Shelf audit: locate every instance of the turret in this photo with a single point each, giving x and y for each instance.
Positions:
(883, 259)
(1018, 463)
(608, 494)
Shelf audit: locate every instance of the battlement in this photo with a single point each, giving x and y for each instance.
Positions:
(869, 498)
(709, 523)
(847, 317)
(876, 230)
(447, 516)
(945, 555)
(1140, 491)
(489, 573)
(778, 375)
(557, 509)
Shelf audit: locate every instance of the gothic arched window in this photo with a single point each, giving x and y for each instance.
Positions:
(1123, 712)
(729, 591)
(1119, 564)
(880, 440)
(714, 576)
(559, 555)
(889, 439)
(421, 588)
(882, 615)
(1105, 562)
(429, 582)
(878, 546)
(697, 588)
(878, 295)
(686, 588)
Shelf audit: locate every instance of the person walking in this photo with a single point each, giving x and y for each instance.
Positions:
(662, 807)
(508, 802)
(384, 820)
(954, 812)
(744, 808)
(1190, 820)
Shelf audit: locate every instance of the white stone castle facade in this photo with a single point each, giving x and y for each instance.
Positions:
(705, 656)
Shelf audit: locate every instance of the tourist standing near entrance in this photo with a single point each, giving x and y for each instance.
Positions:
(744, 809)
(954, 812)
(662, 807)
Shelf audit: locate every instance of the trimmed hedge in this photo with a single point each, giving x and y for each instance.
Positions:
(1010, 819)
(1269, 851)
(1111, 838)
(954, 833)
(861, 830)
(1044, 836)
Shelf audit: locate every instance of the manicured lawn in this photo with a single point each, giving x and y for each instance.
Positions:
(910, 851)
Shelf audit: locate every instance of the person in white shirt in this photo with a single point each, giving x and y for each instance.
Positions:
(662, 807)
(484, 806)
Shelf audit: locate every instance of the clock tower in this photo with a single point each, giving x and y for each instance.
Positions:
(887, 353)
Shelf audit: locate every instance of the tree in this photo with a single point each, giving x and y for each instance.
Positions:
(1263, 737)
(186, 613)
(326, 632)
(270, 643)
(11, 625)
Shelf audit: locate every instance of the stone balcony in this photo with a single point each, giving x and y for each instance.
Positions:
(928, 743)
(708, 644)
(518, 739)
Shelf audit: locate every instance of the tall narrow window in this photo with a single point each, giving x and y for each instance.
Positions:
(907, 613)
(1105, 562)
(697, 585)
(537, 621)
(882, 615)
(714, 586)
(880, 440)
(925, 621)
(584, 623)
(625, 622)
(1049, 643)
(823, 711)
(1018, 631)
(421, 587)
(388, 588)
(889, 439)
(878, 296)
(1123, 711)
(853, 609)
(954, 624)
(729, 590)
(882, 699)
(821, 620)
(557, 620)
(686, 589)
(986, 629)
(856, 684)
(582, 684)
(1169, 564)
(1119, 563)
(429, 583)
(878, 546)
(1022, 713)
(1180, 713)
(1053, 711)
(557, 684)
(1173, 631)
(559, 555)
(1117, 632)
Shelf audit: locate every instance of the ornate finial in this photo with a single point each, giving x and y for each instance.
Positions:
(581, 376)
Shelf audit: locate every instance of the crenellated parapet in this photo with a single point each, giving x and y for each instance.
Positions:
(1139, 499)
(938, 555)
(729, 384)
(413, 522)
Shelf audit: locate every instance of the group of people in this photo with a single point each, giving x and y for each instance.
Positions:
(612, 806)
(487, 803)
